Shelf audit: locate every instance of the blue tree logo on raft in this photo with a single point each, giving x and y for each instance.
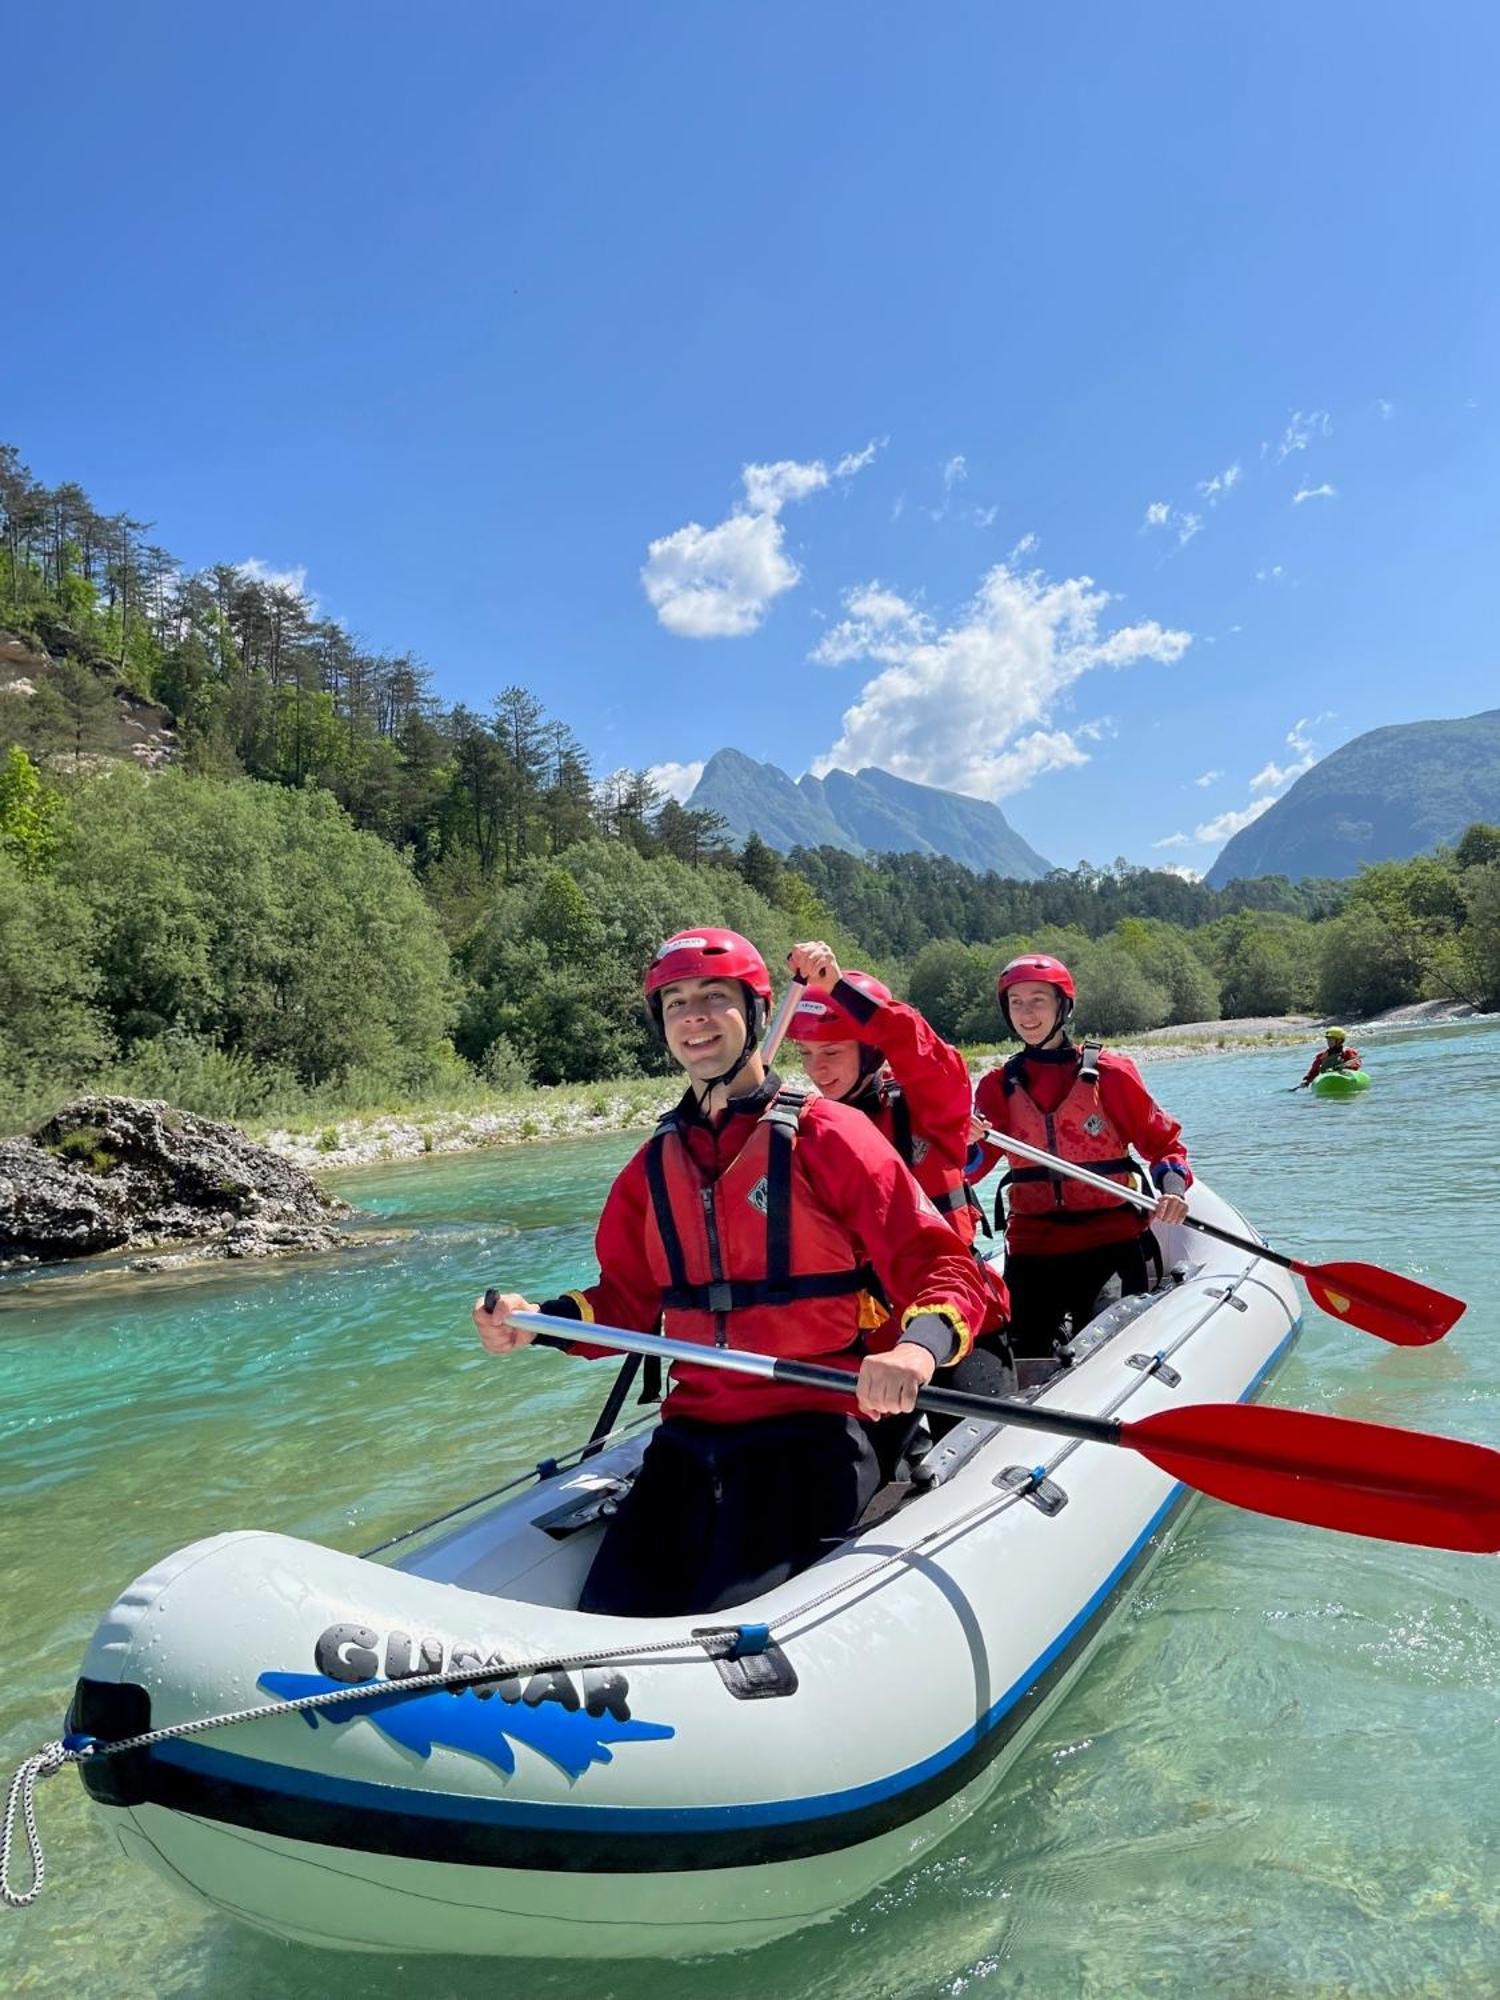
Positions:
(485, 1719)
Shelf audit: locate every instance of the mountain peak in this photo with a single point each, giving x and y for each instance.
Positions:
(866, 812)
(1385, 796)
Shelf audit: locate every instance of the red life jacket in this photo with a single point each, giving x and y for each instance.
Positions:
(1080, 1130)
(944, 1185)
(751, 1259)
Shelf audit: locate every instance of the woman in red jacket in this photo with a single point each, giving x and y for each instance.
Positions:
(1065, 1241)
(763, 1217)
(862, 1046)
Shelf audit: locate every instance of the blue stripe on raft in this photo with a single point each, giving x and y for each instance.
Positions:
(191, 1755)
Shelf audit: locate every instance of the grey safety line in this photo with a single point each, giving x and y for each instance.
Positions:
(77, 1747)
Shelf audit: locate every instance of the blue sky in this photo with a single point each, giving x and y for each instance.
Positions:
(479, 314)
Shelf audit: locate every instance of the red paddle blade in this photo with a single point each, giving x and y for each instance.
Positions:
(1332, 1472)
(1381, 1302)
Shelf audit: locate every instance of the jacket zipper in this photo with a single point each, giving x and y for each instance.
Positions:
(715, 1263)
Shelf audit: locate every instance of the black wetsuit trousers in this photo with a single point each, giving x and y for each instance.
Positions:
(721, 1512)
(1044, 1291)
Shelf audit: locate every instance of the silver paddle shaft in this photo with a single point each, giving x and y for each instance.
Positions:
(1075, 1173)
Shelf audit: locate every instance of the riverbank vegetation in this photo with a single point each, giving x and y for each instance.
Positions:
(326, 892)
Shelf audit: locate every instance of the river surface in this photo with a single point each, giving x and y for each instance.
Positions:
(1279, 1776)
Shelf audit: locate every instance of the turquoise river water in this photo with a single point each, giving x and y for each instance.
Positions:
(1280, 1775)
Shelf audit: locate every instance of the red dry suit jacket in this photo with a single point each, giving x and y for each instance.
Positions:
(935, 1097)
(1139, 1119)
(860, 1182)
(1330, 1059)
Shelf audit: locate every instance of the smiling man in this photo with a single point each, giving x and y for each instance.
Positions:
(764, 1217)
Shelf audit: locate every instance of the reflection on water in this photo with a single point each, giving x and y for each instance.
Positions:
(1278, 1777)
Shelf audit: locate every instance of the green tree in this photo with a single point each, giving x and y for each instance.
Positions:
(1478, 846)
(1364, 966)
(1166, 958)
(260, 920)
(50, 1027)
(31, 814)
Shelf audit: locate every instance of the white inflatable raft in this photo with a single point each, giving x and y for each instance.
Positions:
(670, 1787)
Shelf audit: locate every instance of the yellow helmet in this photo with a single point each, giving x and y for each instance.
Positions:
(1337, 1034)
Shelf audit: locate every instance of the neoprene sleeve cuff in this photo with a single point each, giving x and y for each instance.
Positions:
(570, 1306)
(854, 1003)
(942, 1330)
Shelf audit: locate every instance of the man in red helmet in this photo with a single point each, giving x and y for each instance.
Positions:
(762, 1217)
(1064, 1240)
(862, 1046)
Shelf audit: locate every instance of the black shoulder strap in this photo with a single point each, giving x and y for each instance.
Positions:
(1088, 1069)
(782, 1118)
(900, 1110)
(661, 1200)
(1011, 1072)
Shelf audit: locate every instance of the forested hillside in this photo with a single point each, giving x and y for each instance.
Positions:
(249, 863)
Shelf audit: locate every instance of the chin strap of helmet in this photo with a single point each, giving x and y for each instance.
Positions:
(755, 1020)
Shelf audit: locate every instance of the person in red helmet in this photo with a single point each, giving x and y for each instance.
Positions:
(763, 1217)
(1065, 1241)
(862, 1046)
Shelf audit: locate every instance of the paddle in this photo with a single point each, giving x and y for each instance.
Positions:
(781, 1020)
(1330, 1472)
(1381, 1302)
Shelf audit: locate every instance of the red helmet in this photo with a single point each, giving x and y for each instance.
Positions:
(818, 1017)
(1036, 966)
(707, 954)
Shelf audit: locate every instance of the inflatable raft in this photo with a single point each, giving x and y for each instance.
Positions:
(641, 1786)
(1341, 1083)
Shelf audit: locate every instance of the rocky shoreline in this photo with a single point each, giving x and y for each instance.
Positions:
(124, 1173)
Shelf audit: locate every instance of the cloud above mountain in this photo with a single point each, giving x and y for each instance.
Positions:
(969, 705)
(719, 582)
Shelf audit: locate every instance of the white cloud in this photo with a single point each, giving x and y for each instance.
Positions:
(1229, 823)
(1188, 525)
(1387, 409)
(984, 517)
(1323, 492)
(969, 705)
(1268, 575)
(1222, 482)
(1270, 780)
(898, 506)
(1024, 547)
(1301, 430)
(955, 472)
(1180, 868)
(676, 780)
(1208, 778)
(1157, 515)
(719, 582)
(253, 570)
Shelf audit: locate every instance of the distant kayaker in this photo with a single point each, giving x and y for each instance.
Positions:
(766, 1217)
(1065, 1240)
(1336, 1055)
(862, 1046)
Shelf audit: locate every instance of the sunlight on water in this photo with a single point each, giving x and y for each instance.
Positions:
(1278, 1777)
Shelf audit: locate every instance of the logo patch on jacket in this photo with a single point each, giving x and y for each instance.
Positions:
(1093, 1125)
(760, 1195)
(920, 1148)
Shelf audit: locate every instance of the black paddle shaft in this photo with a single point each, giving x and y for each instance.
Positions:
(960, 1403)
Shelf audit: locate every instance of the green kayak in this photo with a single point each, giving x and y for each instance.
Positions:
(1341, 1083)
